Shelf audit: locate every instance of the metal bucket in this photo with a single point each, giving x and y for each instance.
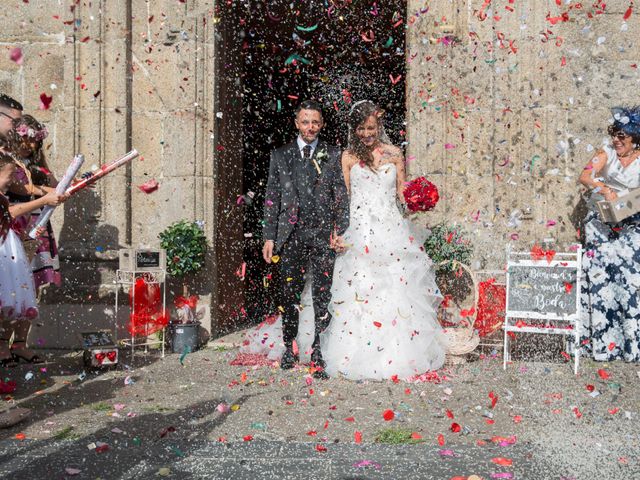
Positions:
(184, 337)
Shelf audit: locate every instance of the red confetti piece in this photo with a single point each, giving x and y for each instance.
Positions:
(149, 186)
(577, 412)
(45, 101)
(20, 436)
(312, 433)
(604, 374)
(455, 428)
(517, 418)
(247, 438)
(449, 414)
(440, 439)
(395, 379)
(612, 345)
(377, 324)
(394, 80)
(349, 419)
(494, 399)
(388, 415)
(357, 437)
(590, 388)
(416, 436)
(627, 14)
(321, 448)
(504, 462)
(15, 55)
(568, 287)
(613, 411)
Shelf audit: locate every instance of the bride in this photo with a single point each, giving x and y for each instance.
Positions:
(384, 295)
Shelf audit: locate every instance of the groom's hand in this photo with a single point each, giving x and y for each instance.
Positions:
(267, 251)
(336, 242)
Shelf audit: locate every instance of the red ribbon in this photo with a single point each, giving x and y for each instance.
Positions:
(537, 253)
(190, 302)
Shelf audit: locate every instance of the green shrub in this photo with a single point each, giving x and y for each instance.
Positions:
(450, 244)
(186, 247)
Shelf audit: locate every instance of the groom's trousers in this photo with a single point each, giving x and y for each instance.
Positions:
(304, 251)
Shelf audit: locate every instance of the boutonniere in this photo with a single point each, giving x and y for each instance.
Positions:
(318, 158)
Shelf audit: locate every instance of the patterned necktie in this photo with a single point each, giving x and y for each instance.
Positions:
(306, 152)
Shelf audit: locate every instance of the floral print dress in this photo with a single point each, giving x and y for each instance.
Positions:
(611, 274)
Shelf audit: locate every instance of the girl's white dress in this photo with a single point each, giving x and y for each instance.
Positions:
(17, 289)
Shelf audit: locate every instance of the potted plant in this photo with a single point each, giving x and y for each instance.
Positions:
(186, 247)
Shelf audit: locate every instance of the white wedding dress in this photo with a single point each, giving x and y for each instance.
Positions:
(384, 295)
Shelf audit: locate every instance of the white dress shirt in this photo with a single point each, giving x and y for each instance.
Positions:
(302, 144)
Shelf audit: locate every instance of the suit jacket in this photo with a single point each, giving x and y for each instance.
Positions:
(286, 170)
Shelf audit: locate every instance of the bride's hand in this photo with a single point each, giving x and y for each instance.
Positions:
(336, 242)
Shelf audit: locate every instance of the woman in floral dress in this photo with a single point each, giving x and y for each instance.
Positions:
(611, 262)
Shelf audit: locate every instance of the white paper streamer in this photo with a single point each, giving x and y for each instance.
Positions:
(47, 210)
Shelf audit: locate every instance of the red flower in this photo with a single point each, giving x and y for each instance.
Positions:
(421, 195)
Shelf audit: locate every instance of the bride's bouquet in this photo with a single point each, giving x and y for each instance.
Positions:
(421, 195)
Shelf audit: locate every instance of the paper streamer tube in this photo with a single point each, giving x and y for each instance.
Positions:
(47, 210)
(101, 172)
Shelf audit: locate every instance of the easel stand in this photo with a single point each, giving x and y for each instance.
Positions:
(127, 278)
(543, 291)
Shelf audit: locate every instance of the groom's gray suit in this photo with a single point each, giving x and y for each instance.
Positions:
(302, 209)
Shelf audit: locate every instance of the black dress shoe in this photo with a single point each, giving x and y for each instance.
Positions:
(288, 359)
(318, 364)
(321, 374)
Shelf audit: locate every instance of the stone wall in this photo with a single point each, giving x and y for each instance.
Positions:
(504, 117)
(123, 74)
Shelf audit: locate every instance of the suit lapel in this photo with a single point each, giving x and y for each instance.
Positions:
(295, 166)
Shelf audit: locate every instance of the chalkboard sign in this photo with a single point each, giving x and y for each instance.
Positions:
(147, 259)
(542, 290)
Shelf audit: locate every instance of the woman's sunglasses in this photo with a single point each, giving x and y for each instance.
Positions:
(620, 135)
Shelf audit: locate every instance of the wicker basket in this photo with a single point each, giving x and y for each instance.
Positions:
(461, 336)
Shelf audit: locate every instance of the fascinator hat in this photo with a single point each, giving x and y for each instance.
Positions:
(626, 120)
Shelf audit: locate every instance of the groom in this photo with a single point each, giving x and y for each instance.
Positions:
(306, 212)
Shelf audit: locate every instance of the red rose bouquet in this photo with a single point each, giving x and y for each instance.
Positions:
(421, 195)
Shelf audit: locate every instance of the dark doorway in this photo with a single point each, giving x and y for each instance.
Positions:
(336, 52)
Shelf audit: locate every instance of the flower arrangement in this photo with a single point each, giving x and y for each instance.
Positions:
(186, 247)
(421, 195)
(448, 243)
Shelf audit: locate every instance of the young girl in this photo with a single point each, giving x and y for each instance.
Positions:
(17, 290)
(33, 178)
